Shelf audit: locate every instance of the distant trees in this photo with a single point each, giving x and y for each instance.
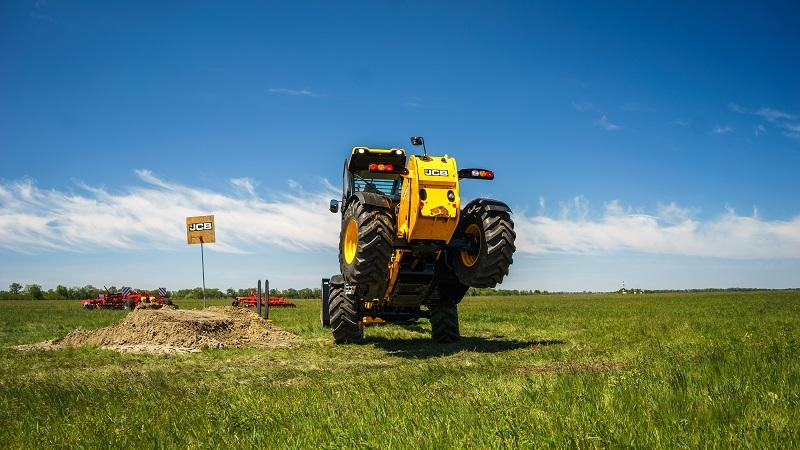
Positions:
(474, 292)
(35, 292)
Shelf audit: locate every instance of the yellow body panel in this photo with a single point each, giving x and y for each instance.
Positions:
(435, 217)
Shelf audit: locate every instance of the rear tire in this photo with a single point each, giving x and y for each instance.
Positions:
(345, 320)
(444, 323)
(366, 250)
(489, 222)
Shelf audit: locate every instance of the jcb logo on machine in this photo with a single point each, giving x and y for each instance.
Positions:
(436, 172)
(200, 226)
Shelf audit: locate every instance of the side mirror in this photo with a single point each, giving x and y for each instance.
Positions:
(334, 206)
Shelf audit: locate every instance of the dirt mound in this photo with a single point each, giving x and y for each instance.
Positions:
(169, 330)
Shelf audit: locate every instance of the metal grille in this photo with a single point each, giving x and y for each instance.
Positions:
(384, 185)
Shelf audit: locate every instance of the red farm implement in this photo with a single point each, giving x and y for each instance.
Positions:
(251, 301)
(125, 298)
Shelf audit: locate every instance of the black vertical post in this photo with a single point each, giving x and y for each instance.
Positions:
(266, 305)
(203, 265)
(258, 297)
(324, 312)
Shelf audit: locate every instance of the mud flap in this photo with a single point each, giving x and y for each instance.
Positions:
(324, 312)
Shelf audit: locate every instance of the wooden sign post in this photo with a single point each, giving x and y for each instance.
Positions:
(200, 230)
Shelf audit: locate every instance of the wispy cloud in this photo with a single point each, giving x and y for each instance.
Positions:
(426, 103)
(720, 129)
(637, 107)
(152, 216)
(605, 124)
(672, 230)
(583, 106)
(774, 114)
(602, 121)
(737, 108)
(759, 129)
(294, 92)
(792, 130)
(765, 112)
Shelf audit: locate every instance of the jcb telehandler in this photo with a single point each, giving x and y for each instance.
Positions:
(406, 242)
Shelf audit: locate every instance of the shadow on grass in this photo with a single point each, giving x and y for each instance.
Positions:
(425, 348)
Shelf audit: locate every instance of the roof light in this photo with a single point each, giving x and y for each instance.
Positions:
(398, 152)
(361, 151)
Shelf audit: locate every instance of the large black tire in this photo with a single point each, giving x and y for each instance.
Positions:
(489, 223)
(369, 267)
(345, 319)
(444, 322)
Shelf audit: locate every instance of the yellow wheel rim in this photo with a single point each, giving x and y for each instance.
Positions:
(466, 258)
(350, 240)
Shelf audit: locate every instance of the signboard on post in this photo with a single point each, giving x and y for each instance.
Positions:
(200, 230)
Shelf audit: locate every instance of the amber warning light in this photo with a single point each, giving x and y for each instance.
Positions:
(478, 174)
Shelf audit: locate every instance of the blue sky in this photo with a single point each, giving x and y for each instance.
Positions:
(656, 143)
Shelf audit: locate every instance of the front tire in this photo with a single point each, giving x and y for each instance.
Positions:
(488, 224)
(365, 248)
(345, 320)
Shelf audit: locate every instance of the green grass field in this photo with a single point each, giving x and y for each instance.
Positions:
(659, 370)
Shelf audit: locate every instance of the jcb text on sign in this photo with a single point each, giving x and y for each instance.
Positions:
(200, 229)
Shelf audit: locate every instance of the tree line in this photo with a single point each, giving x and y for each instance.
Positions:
(17, 291)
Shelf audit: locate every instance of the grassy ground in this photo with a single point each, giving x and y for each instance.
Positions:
(661, 370)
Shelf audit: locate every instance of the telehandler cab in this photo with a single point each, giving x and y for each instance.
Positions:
(406, 242)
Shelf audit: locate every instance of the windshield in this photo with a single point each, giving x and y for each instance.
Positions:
(377, 183)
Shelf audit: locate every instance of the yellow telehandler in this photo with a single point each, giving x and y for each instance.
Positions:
(407, 243)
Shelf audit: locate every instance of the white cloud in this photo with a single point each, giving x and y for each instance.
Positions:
(737, 108)
(793, 130)
(774, 114)
(583, 106)
(152, 216)
(719, 129)
(670, 231)
(759, 129)
(604, 123)
(293, 92)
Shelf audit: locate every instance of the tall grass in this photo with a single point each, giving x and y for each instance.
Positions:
(661, 370)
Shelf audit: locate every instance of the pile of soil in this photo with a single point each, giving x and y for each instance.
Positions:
(169, 330)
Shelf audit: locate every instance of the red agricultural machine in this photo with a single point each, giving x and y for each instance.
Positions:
(251, 301)
(126, 298)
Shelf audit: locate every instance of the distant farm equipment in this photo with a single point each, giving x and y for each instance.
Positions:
(126, 298)
(251, 301)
